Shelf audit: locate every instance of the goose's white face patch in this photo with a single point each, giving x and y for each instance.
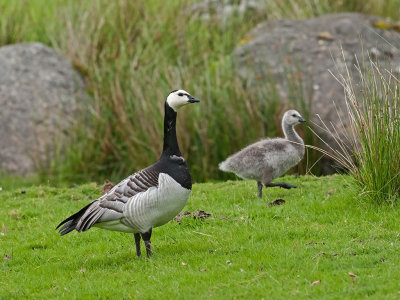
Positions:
(292, 117)
(177, 99)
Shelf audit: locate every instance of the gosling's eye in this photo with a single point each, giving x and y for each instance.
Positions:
(180, 94)
(294, 115)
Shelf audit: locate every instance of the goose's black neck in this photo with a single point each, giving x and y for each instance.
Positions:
(171, 146)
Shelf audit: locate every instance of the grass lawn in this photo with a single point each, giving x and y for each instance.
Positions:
(247, 249)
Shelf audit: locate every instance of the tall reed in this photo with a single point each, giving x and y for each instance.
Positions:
(370, 149)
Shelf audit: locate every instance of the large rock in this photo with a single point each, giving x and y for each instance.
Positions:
(39, 93)
(223, 10)
(314, 47)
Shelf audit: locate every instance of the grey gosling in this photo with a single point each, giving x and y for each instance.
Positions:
(268, 159)
(148, 198)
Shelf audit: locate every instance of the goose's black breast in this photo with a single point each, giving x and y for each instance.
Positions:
(175, 166)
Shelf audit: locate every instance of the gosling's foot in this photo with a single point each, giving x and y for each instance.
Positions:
(288, 186)
(283, 185)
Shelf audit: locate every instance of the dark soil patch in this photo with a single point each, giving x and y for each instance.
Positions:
(107, 186)
(180, 216)
(276, 202)
(201, 214)
(198, 214)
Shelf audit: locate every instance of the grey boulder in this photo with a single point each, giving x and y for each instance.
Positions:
(40, 95)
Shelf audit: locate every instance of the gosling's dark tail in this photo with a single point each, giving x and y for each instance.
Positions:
(71, 222)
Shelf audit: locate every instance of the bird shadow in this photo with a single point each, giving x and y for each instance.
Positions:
(111, 259)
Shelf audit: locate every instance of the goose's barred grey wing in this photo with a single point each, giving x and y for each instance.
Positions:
(109, 207)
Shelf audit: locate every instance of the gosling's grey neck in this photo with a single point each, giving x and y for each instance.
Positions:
(291, 134)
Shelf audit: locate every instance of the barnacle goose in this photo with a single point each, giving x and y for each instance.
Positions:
(148, 198)
(268, 159)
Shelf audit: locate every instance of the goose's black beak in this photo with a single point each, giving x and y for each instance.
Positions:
(302, 120)
(193, 99)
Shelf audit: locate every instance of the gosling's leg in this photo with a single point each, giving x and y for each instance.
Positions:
(260, 186)
(282, 185)
(137, 243)
(146, 238)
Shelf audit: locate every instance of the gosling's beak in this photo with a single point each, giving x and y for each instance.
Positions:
(302, 120)
(193, 99)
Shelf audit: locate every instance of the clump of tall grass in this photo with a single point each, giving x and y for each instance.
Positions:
(370, 150)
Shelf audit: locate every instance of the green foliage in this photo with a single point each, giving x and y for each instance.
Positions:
(370, 148)
(132, 53)
(322, 232)
(12, 182)
(374, 107)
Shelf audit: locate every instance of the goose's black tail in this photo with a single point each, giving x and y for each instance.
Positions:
(70, 223)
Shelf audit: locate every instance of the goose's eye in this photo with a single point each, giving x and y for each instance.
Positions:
(294, 115)
(180, 94)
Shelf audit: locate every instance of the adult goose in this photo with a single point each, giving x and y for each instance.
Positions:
(148, 198)
(269, 158)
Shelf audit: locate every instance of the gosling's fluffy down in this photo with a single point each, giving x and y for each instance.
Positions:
(268, 159)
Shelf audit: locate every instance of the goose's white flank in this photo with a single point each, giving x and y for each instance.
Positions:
(269, 158)
(148, 198)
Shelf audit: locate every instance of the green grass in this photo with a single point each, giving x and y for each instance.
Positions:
(322, 232)
(8, 182)
(133, 53)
